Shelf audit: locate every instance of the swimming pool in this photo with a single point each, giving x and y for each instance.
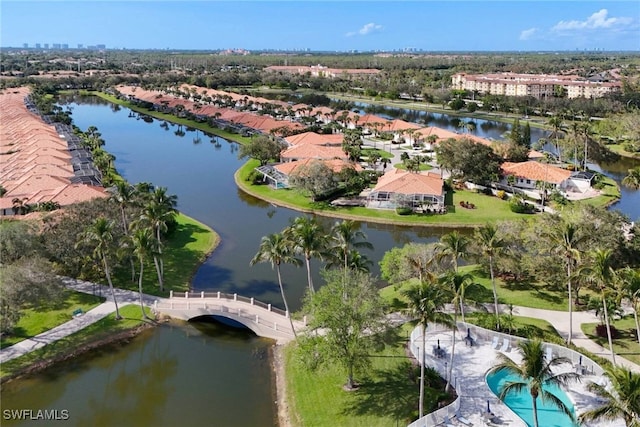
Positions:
(520, 403)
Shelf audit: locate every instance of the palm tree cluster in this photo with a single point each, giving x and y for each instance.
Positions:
(307, 237)
(145, 214)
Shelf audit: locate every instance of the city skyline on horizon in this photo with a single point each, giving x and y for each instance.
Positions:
(329, 26)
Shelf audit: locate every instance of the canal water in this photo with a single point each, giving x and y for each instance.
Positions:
(197, 373)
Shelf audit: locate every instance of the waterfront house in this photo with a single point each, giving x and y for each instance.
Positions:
(399, 188)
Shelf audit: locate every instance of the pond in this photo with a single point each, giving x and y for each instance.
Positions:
(206, 374)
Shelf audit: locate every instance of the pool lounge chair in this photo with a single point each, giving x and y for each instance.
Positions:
(446, 422)
(463, 420)
(494, 343)
(505, 345)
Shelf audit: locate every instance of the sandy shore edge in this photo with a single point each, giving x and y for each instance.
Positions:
(284, 418)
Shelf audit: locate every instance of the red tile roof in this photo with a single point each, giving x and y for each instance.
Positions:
(536, 171)
(404, 182)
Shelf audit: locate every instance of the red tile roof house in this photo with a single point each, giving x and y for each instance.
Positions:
(399, 188)
(528, 174)
(35, 161)
(278, 175)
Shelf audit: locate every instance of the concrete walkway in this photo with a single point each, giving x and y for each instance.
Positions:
(123, 297)
(558, 319)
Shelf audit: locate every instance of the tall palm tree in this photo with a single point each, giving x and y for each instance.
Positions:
(457, 284)
(276, 250)
(124, 195)
(566, 239)
(556, 122)
(622, 400)
(633, 178)
(143, 245)
(455, 246)
(159, 211)
(100, 236)
(600, 271)
(309, 239)
(346, 235)
(425, 304)
(630, 287)
(533, 375)
(491, 245)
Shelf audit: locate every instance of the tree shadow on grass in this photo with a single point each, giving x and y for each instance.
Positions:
(386, 394)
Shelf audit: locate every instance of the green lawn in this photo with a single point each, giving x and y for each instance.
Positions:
(183, 253)
(619, 149)
(610, 194)
(423, 167)
(626, 345)
(94, 332)
(488, 208)
(388, 393)
(383, 153)
(37, 320)
(525, 294)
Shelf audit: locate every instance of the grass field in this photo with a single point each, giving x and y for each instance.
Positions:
(183, 253)
(388, 393)
(626, 345)
(39, 319)
(488, 208)
(525, 294)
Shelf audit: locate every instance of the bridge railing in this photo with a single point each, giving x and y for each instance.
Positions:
(230, 297)
(195, 303)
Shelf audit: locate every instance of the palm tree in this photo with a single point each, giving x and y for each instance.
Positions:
(621, 400)
(556, 122)
(633, 178)
(309, 239)
(455, 246)
(160, 210)
(600, 271)
(124, 195)
(457, 284)
(534, 374)
(565, 239)
(491, 245)
(143, 245)
(425, 304)
(100, 236)
(275, 249)
(344, 236)
(630, 281)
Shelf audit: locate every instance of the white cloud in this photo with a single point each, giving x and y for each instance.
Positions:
(366, 29)
(599, 20)
(527, 34)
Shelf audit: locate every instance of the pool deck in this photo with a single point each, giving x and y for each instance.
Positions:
(470, 367)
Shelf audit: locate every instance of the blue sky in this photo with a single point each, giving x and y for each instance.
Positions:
(326, 25)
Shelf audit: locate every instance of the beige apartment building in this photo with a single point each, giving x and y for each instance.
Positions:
(536, 85)
(322, 71)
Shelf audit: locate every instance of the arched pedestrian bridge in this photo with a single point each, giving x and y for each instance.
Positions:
(263, 319)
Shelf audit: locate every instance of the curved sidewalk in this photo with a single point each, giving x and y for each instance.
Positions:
(560, 321)
(124, 298)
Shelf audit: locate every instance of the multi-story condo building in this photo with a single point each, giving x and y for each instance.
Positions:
(321, 71)
(536, 85)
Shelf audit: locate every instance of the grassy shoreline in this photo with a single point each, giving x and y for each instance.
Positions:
(488, 209)
(187, 248)
(107, 331)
